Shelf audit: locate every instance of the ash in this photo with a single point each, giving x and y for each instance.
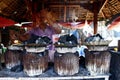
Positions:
(48, 73)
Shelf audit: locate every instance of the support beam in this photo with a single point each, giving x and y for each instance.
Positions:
(95, 10)
(105, 2)
(65, 10)
(95, 22)
(103, 14)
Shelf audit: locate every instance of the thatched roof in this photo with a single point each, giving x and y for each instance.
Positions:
(84, 9)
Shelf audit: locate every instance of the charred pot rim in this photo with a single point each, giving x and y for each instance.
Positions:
(98, 51)
(14, 51)
(66, 46)
(35, 58)
(57, 54)
(66, 49)
(98, 54)
(35, 45)
(40, 54)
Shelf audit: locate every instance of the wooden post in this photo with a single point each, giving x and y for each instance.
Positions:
(65, 10)
(95, 23)
(0, 36)
(118, 45)
(95, 11)
(65, 13)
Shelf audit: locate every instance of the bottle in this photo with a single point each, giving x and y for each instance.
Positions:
(0, 49)
(3, 48)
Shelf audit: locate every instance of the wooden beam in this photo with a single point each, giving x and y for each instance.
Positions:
(68, 2)
(103, 14)
(64, 5)
(113, 7)
(108, 5)
(103, 5)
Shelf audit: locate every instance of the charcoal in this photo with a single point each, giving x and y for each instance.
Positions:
(96, 37)
(32, 39)
(47, 39)
(82, 61)
(88, 39)
(41, 54)
(43, 40)
(62, 39)
(72, 38)
(58, 54)
(17, 68)
(68, 43)
(40, 41)
(76, 53)
(68, 40)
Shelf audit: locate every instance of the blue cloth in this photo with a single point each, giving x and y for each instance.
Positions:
(81, 51)
(75, 33)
